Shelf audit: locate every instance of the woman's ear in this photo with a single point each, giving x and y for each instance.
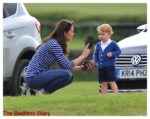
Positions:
(65, 34)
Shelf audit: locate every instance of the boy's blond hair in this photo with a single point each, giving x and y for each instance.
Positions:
(105, 28)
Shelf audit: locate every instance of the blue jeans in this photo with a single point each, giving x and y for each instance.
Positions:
(51, 80)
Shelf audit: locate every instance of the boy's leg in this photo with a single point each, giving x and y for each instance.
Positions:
(100, 87)
(104, 86)
(114, 87)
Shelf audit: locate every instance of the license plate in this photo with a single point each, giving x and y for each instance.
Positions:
(131, 73)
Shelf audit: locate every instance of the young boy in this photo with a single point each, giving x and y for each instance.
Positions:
(104, 56)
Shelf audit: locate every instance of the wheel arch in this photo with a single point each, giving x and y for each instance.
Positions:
(26, 53)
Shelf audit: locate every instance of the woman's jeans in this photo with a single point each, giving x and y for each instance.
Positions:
(51, 80)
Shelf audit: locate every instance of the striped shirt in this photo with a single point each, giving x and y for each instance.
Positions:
(49, 53)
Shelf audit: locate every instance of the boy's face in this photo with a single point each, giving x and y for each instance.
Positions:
(104, 36)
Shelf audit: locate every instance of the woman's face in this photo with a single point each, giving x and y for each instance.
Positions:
(69, 35)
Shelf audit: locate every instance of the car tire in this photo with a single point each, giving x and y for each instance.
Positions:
(18, 78)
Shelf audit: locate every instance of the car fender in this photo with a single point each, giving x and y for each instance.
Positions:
(24, 44)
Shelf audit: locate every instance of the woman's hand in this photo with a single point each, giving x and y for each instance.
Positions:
(86, 52)
(90, 65)
(82, 57)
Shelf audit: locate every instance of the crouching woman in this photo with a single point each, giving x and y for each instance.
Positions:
(54, 49)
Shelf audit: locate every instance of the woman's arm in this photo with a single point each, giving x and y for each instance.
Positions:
(81, 58)
(62, 60)
(77, 69)
(95, 54)
(90, 66)
(55, 48)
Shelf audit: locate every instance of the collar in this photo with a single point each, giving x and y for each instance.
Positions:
(107, 42)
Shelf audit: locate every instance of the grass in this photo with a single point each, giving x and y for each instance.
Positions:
(76, 43)
(78, 40)
(80, 98)
(84, 12)
(89, 12)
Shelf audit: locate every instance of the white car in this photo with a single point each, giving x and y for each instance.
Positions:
(21, 36)
(131, 65)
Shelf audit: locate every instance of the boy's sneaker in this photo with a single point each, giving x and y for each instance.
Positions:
(99, 91)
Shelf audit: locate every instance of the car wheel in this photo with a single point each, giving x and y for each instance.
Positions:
(19, 86)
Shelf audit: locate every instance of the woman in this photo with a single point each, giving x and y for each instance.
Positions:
(54, 49)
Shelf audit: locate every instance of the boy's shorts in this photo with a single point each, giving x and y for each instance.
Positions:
(107, 74)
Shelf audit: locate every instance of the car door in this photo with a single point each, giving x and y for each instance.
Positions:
(9, 36)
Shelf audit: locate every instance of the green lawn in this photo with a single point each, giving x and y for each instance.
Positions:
(85, 13)
(76, 43)
(89, 12)
(80, 98)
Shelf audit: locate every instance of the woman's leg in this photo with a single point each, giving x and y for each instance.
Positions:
(51, 80)
(60, 82)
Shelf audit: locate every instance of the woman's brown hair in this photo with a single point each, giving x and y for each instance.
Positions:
(62, 26)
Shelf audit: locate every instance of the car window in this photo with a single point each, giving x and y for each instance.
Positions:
(5, 12)
(9, 9)
(145, 30)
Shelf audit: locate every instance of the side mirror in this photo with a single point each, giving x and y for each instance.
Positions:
(142, 28)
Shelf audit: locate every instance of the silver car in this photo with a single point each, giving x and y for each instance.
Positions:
(21, 36)
(131, 65)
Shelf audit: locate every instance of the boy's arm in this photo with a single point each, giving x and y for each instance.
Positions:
(95, 54)
(116, 51)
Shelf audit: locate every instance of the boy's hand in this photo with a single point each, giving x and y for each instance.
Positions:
(109, 54)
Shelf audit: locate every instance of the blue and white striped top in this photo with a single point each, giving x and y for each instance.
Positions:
(49, 53)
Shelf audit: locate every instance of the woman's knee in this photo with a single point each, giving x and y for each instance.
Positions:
(68, 75)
